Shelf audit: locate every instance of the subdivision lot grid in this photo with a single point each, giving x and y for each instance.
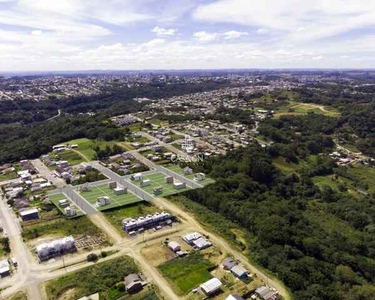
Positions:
(177, 169)
(55, 198)
(158, 180)
(115, 200)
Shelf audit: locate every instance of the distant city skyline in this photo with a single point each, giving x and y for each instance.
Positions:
(72, 35)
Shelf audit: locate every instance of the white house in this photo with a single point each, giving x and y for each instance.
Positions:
(137, 177)
(174, 246)
(211, 286)
(105, 200)
(199, 176)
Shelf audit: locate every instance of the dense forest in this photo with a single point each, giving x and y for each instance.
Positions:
(320, 243)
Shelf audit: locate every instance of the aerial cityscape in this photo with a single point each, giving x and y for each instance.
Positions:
(220, 149)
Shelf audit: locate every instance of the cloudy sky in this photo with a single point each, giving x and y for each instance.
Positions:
(40, 35)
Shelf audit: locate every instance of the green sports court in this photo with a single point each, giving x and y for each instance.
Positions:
(177, 169)
(55, 198)
(157, 180)
(116, 200)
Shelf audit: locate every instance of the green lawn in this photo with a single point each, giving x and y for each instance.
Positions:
(321, 181)
(186, 273)
(86, 146)
(116, 201)
(177, 169)
(55, 198)
(72, 157)
(101, 277)
(157, 180)
(115, 216)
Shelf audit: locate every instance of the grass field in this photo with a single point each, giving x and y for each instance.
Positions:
(101, 277)
(364, 175)
(55, 198)
(157, 180)
(115, 216)
(298, 108)
(8, 176)
(86, 146)
(72, 157)
(186, 273)
(177, 169)
(284, 166)
(60, 227)
(116, 201)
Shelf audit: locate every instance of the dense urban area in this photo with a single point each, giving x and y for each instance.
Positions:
(222, 185)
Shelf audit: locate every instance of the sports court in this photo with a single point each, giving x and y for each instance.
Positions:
(177, 169)
(55, 198)
(116, 200)
(157, 180)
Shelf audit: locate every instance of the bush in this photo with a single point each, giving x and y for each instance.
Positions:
(92, 257)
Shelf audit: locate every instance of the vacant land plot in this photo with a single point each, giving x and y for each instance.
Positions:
(177, 169)
(115, 216)
(101, 277)
(187, 273)
(157, 180)
(297, 108)
(71, 156)
(86, 146)
(55, 198)
(116, 201)
(59, 228)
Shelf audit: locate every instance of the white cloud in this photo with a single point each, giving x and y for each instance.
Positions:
(234, 34)
(204, 36)
(36, 32)
(163, 31)
(262, 31)
(318, 18)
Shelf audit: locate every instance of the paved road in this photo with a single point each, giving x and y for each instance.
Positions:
(81, 202)
(128, 184)
(48, 174)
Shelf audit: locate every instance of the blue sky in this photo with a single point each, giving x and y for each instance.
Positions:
(40, 35)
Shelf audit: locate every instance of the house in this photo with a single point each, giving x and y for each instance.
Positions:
(174, 246)
(168, 179)
(55, 247)
(228, 263)
(4, 268)
(148, 221)
(211, 286)
(133, 283)
(63, 203)
(158, 190)
(199, 176)
(104, 200)
(234, 297)
(187, 171)
(137, 177)
(145, 182)
(91, 297)
(239, 272)
(178, 185)
(29, 214)
(112, 185)
(70, 212)
(266, 294)
(21, 203)
(120, 191)
(202, 243)
(191, 237)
